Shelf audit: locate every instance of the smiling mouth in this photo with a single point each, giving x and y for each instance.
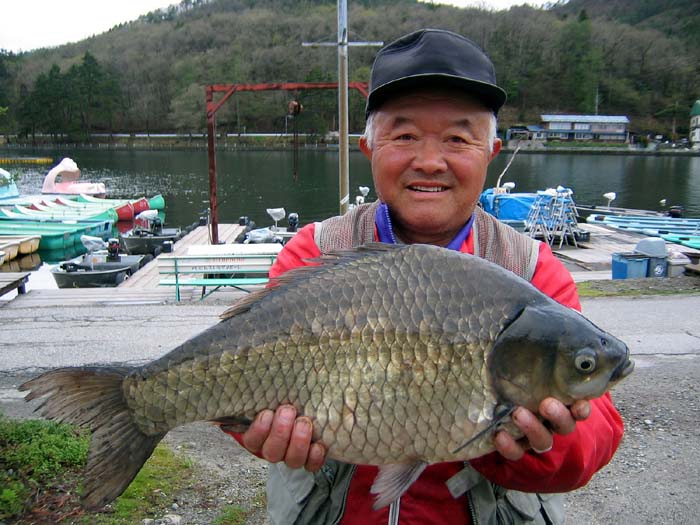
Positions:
(427, 189)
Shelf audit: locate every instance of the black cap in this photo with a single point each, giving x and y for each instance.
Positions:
(433, 57)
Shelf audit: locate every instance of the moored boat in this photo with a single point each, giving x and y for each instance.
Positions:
(48, 212)
(8, 188)
(98, 267)
(691, 241)
(652, 226)
(99, 228)
(48, 240)
(124, 210)
(11, 249)
(72, 275)
(27, 243)
(146, 241)
(63, 179)
(157, 202)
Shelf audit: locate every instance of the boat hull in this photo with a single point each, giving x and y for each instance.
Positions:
(100, 272)
(144, 243)
(90, 279)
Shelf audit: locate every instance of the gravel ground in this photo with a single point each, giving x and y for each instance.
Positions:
(654, 477)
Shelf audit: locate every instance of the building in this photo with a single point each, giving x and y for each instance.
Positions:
(695, 125)
(521, 132)
(602, 128)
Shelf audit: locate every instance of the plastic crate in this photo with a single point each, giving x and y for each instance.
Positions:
(629, 265)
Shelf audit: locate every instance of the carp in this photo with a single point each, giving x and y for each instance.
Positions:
(401, 355)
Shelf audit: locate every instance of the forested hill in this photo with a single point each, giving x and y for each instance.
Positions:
(678, 18)
(149, 75)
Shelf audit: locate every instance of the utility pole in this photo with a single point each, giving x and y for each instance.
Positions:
(343, 129)
(343, 142)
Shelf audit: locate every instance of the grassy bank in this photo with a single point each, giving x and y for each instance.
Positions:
(40, 479)
(684, 284)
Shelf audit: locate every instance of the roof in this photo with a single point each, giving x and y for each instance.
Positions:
(607, 119)
(696, 109)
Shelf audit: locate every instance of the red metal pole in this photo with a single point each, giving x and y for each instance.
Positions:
(211, 139)
(212, 108)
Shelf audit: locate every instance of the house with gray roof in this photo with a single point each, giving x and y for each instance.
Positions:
(603, 128)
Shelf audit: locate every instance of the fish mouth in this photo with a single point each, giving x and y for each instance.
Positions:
(624, 369)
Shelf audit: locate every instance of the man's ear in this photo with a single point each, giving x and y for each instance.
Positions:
(497, 145)
(364, 147)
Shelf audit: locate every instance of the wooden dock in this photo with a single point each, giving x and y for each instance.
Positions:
(69, 297)
(141, 288)
(13, 281)
(147, 277)
(596, 254)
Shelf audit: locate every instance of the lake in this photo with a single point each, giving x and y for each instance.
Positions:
(251, 181)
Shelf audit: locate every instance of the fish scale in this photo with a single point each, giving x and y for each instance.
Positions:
(400, 355)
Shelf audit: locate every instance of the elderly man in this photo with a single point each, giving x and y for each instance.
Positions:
(430, 136)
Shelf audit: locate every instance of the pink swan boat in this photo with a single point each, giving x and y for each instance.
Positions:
(63, 178)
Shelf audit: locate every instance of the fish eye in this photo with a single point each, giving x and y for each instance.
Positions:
(603, 341)
(585, 363)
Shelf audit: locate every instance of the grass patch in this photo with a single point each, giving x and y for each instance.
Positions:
(231, 515)
(638, 287)
(41, 466)
(151, 491)
(35, 454)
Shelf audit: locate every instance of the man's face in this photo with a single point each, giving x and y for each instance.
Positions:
(429, 157)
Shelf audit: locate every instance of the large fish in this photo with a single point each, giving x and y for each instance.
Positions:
(402, 356)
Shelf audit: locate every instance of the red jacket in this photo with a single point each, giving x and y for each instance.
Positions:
(569, 465)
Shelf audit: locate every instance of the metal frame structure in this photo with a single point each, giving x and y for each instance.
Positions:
(213, 106)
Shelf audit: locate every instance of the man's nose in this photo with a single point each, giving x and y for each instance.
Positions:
(429, 157)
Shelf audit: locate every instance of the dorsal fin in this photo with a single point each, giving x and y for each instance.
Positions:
(302, 273)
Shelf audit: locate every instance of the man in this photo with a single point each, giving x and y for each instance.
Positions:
(431, 133)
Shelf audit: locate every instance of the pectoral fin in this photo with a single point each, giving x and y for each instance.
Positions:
(501, 415)
(393, 480)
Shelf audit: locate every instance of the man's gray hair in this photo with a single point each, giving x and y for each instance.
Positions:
(369, 130)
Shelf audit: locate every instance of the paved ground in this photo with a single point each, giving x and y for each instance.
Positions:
(654, 478)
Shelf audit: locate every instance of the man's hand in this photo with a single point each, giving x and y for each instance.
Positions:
(282, 436)
(561, 420)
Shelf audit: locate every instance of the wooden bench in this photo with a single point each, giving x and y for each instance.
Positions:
(238, 266)
(11, 280)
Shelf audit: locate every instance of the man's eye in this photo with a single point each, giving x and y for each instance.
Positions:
(405, 136)
(458, 140)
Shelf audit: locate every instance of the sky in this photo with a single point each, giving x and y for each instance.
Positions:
(31, 24)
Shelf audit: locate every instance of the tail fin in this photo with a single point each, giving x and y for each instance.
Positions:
(93, 398)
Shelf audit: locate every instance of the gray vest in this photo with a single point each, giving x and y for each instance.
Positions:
(295, 496)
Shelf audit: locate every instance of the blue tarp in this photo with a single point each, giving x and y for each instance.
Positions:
(507, 206)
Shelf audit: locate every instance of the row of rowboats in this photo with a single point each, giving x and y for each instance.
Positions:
(59, 221)
(679, 230)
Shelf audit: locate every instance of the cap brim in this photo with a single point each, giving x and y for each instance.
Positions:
(492, 96)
